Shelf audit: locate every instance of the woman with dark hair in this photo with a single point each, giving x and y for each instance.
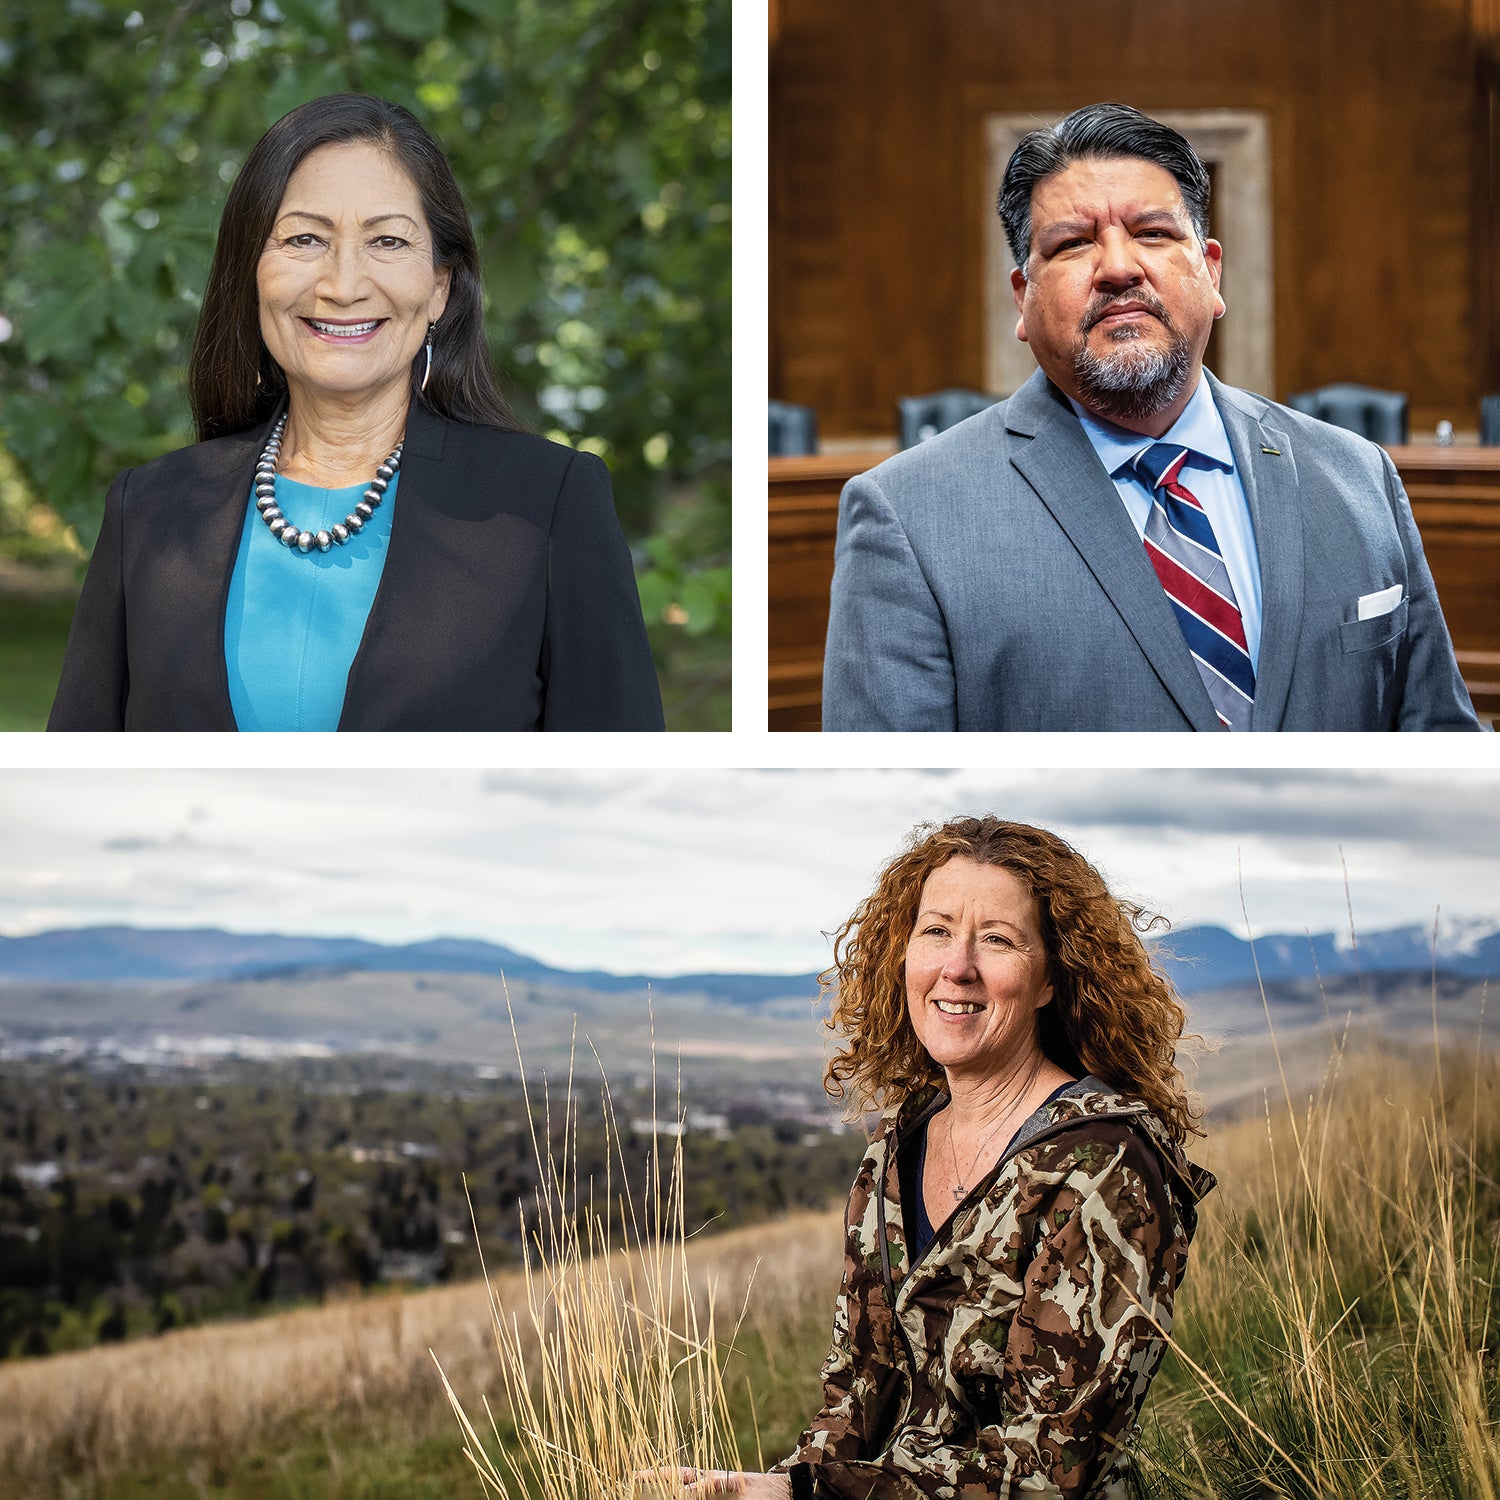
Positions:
(268, 577)
(1020, 1222)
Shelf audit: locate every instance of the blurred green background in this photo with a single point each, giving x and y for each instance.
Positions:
(592, 140)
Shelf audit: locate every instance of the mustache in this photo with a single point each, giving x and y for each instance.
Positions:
(1101, 307)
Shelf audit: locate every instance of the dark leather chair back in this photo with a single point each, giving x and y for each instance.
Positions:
(1380, 416)
(922, 417)
(1489, 421)
(794, 430)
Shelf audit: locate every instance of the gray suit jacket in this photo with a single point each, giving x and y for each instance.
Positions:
(991, 579)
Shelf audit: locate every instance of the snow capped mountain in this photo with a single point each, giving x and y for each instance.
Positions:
(1198, 958)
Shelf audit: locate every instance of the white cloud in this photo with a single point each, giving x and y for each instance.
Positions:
(673, 871)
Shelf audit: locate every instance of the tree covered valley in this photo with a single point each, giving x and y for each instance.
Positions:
(136, 1198)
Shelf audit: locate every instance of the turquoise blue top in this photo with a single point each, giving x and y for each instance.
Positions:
(295, 619)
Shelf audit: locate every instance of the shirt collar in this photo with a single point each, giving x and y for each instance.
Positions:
(1200, 428)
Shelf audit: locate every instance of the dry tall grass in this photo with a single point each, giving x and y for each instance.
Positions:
(1340, 1310)
(1338, 1332)
(82, 1421)
(239, 1386)
(617, 1363)
(1336, 1337)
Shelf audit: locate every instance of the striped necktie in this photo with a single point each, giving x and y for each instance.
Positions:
(1182, 548)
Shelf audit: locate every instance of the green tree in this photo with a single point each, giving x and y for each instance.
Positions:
(591, 138)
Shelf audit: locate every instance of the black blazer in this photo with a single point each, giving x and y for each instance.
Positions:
(507, 601)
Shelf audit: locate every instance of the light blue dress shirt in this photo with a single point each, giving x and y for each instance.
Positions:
(1210, 474)
(294, 620)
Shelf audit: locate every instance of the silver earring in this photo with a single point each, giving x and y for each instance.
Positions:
(428, 371)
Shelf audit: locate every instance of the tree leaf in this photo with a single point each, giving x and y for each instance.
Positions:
(116, 423)
(656, 594)
(67, 320)
(320, 17)
(306, 83)
(487, 10)
(415, 19)
(511, 281)
(700, 599)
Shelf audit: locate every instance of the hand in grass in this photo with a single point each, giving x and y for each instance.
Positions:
(699, 1484)
(746, 1486)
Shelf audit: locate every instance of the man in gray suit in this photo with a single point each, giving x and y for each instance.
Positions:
(1127, 543)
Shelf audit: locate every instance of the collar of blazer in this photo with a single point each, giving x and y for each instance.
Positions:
(1060, 465)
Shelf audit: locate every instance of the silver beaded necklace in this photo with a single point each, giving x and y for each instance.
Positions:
(305, 541)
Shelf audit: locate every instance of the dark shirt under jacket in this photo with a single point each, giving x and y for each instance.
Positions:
(508, 600)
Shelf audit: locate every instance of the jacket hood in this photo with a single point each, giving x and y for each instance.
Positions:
(1086, 1100)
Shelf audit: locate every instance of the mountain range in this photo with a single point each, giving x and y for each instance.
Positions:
(170, 998)
(1199, 959)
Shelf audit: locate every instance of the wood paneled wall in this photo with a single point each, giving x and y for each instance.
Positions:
(1486, 29)
(1383, 128)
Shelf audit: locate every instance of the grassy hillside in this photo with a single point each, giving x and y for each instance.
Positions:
(1336, 1337)
(344, 1400)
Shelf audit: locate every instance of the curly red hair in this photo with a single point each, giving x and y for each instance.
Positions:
(1114, 1013)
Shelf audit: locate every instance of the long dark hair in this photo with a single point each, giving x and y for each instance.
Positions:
(1096, 131)
(233, 383)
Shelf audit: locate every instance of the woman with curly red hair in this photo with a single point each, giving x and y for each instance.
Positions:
(1020, 1223)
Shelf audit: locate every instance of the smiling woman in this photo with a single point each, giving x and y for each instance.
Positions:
(1020, 1223)
(381, 264)
(267, 578)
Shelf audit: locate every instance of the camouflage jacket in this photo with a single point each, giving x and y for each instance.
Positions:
(1013, 1358)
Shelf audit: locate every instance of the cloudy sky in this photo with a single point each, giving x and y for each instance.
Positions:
(676, 871)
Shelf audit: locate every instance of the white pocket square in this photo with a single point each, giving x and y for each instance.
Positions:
(1372, 606)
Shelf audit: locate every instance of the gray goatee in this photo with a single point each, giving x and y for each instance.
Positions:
(1132, 380)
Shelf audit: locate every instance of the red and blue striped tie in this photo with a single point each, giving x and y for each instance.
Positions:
(1183, 550)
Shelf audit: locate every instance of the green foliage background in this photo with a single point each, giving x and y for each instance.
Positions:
(592, 139)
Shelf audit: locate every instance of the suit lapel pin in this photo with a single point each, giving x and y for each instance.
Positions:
(1274, 452)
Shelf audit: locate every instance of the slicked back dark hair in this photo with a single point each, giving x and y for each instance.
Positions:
(228, 351)
(1096, 132)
